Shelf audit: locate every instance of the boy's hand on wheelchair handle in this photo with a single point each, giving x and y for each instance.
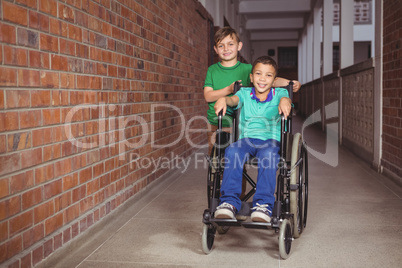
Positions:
(220, 105)
(296, 85)
(285, 106)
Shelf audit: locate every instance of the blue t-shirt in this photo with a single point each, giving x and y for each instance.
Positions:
(260, 119)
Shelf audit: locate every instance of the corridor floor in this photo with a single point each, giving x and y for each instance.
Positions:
(354, 220)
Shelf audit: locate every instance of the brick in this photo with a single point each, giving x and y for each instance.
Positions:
(17, 98)
(75, 32)
(66, 13)
(89, 82)
(75, 65)
(10, 207)
(3, 231)
(9, 163)
(8, 77)
(49, 79)
(44, 174)
(66, 81)
(4, 187)
(1, 96)
(48, 6)
(51, 189)
(7, 34)
(47, 248)
(31, 157)
(31, 198)
(15, 14)
(59, 62)
(68, 47)
(48, 42)
(71, 213)
(3, 144)
(82, 51)
(13, 246)
(19, 141)
(9, 121)
(30, 119)
(53, 223)
(39, 60)
(39, 21)
(62, 167)
(21, 222)
(43, 211)
(28, 3)
(62, 201)
(58, 241)
(51, 116)
(40, 98)
(69, 181)
(28, 78)
(21, 182)
(15, 56)
(27, 38)
(33, 235)
(37, 255)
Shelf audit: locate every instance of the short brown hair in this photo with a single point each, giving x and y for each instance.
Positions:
(265, 60)
(226, 31)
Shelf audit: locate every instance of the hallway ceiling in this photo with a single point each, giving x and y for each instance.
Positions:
(274, 19)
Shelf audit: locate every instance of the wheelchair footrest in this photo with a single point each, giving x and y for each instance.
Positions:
(257, 225)
(225, 222)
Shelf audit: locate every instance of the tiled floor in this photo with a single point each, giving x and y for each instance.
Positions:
(354, 220)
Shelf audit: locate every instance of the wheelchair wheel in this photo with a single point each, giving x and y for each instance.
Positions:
(208, 236)
(285, 239)
(298, 197)
(212, 176)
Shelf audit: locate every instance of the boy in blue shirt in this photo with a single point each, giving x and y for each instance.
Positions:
(259, 128)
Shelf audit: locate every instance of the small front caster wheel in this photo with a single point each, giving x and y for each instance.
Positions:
(285, 239)
(208, 236)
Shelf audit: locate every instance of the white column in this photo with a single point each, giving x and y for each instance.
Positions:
(378, 96)
(328, 14)
(317, 43)
(304, 62)
(310, 52)
(346, 33)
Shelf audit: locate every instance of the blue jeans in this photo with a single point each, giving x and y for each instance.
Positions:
(236, 154)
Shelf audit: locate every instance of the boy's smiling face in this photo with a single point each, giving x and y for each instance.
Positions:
(227, 49)
(263, 77)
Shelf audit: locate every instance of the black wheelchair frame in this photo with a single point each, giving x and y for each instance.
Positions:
(289, 215)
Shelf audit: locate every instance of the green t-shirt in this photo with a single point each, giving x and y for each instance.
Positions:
(219, 77)
(260, 120)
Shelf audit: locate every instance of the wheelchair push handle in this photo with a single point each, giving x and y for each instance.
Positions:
(290, 90)
(236, 87)
(220, 115)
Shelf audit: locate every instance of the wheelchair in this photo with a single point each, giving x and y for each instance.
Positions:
(289, 215)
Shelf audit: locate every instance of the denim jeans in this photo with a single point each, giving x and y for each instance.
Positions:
(236, 154)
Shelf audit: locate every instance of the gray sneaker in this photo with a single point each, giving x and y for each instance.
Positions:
(261, 213)
(225, 211)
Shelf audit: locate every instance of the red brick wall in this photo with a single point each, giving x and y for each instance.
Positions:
(119, 58)
(392, 87)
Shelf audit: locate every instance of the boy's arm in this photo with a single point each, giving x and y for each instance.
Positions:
(212, 95)
(285, 106)
(282, 82)
(223, 102)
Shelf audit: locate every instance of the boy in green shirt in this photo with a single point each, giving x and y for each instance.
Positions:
(259, 129)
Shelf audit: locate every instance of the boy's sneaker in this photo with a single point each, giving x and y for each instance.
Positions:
(261, 213)
(225, 211)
